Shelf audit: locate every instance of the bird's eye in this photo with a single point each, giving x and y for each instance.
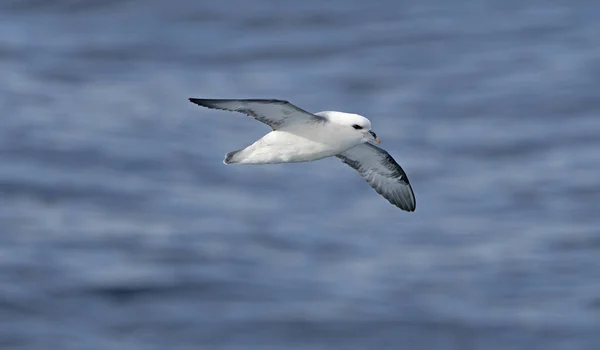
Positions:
(357, 127)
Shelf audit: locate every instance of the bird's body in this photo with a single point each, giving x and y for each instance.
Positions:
(300, 136)
(296, 143)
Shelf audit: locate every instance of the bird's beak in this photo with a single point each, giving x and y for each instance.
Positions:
(374, 137)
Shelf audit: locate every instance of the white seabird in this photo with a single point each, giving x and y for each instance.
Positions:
(301, 136)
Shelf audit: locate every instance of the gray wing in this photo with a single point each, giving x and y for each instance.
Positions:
(381, 172)
(274, 113)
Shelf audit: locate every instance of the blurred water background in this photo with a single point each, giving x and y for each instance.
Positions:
(120, 228)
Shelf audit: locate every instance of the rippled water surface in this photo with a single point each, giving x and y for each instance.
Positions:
(122, 229)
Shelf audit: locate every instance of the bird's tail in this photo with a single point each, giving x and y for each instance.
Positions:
(230, 158)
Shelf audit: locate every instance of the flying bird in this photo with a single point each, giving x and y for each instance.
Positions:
(301, 136)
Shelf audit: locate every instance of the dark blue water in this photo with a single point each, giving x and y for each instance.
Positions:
(120, 228)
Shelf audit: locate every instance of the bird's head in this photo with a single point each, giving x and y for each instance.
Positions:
(354, 122)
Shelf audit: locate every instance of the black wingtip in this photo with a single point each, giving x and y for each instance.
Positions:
(413, 203)
(203, 102)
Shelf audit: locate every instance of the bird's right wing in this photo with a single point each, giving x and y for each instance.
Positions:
(274, 113)
(381, 172)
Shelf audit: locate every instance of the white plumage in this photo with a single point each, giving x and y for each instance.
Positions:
(301, 136)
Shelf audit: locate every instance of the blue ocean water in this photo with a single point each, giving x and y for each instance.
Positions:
(120, 228)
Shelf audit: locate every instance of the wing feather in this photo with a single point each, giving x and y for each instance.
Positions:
(274, 113)
(382, 172)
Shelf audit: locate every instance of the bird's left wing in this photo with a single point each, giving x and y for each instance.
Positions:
(381, 172)
(274, 113)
